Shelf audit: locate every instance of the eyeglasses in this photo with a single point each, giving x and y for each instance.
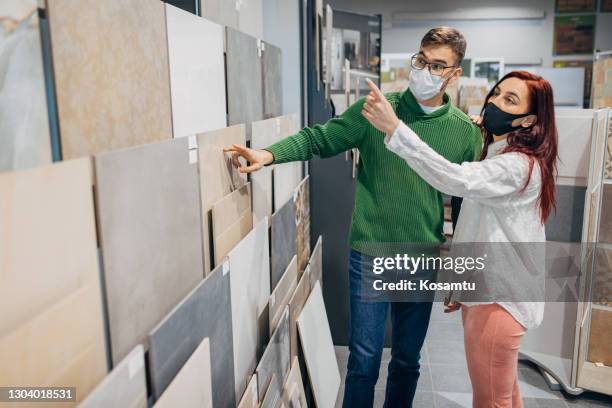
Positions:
(418, 62)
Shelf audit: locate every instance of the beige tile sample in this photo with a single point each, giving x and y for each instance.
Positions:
(293, 391)
(111, 73)
(263, 134)
(302, 216)
(249, 398)
(49, 279)
(232, 220)
(296, 304)
(192, 386)
(283, 292)
(218, 177)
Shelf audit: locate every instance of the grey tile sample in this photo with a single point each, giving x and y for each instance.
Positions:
(272, 81)
(222, 12)
(565, 225)
(283, 234)
(150, 231)
(244, 79)
(316, 263)
(275, 359)
(125, 386)
(205, 312)
(273, 394)
(605, 221)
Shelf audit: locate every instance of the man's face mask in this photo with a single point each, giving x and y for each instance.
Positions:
(424, 85)
(499, 122)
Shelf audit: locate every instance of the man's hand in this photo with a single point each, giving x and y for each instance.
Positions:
(378, 111)
(477, 119)
(256, 158)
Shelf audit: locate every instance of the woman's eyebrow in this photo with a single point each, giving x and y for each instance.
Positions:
(513, 94)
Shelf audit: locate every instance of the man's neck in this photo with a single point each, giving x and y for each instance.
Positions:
(437, 100)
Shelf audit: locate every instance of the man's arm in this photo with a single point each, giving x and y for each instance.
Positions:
(336, 136)
(471, 154)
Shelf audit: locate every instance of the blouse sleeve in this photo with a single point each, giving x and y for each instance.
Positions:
(489, 179)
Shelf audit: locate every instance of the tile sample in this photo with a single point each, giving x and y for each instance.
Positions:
(605, 222)
(302, 214)
(574, 128)
(148, 205)
(296, 304)
(283, 292)
(263, 134)
(272, 81)
(273, 394)
(600, 330)
(275, 359)
(249, 398)
(316, 264)
(244, 79)
(249, 263)
(125, 386)
(197, 73)
(232, 219)
(49, 279)
(111, 74)
(192, 386)
(224, 12)
(250, 18)
(283, 241)
(25, 140)
(287, 176)
(565, 224)
(293, 391)
(319, 354)
(205, 312)
(218, 177)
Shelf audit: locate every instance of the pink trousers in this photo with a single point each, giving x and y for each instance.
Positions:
(492, 338)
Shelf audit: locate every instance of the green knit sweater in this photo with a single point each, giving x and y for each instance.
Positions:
(392, 204)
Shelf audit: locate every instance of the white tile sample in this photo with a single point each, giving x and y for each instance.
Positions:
(218, 177)
(283, 234)
(574, 134)
(263, 134)
(250, 18)
(192, 386)
(249, 264)
(316, 263)
(150, 232)
(197, 73)
(287, 176)
(125, 386)
(275, 360)
(25, 140)
(52, 327)
(318, 347)
(249, 398)
(282, 293)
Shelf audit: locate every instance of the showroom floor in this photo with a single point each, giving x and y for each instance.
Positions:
(444, 381)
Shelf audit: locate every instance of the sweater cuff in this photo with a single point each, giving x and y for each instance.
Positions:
(403, 140)
(279, 153)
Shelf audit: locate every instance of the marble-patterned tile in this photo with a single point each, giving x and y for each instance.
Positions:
(192, 386)
(565, 225)
(302, 214)
(224, 12)
(249, 398)
(316, 263)
(296, 304)
(25, 140)
(112, 80)
(49, 279)
(275, 359)
(218, 177)
(272, 81)
(205, 312)
(244, 79)
(283, 241)
(315, 336)
(249, 263)
(197, 73)
(148, 205)
(282, 293)
(232, 219)
(125, 386)
(250, 18)
(293, 391)
(263, 134)
(272, 397)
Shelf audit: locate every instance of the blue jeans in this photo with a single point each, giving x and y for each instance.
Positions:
(368, 319)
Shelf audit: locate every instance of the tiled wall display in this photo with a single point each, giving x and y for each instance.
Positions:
(279, 299)
(249, 398)
(296, 304)
(283, 235)
(316, 263)
(275, 360)
(293, 391)
(287, 176)
(272, 81)
(302, 215)
(112, 81)
(264, 133)
(232, 220)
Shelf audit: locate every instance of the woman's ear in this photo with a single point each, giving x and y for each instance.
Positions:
(529, 121)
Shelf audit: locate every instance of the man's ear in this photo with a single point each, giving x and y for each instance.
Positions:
(529, 120)
(455, 75)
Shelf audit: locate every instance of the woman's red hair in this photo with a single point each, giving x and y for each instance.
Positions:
(539, 141)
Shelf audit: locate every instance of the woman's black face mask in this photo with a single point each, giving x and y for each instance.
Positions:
(499, 122)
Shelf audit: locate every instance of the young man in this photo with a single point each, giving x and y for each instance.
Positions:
(392, 205)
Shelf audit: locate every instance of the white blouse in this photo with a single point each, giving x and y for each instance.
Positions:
(494, 209)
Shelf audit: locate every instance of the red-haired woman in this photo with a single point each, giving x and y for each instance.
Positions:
(508, 195)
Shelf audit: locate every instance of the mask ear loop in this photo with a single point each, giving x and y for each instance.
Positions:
(443, 88)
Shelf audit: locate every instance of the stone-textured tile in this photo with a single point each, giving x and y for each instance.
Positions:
(282, 293)
(272, 81)
(249, 398)
(273, 393)
(316, 263)
(249, 264)
(222, 12)
(250, 18)
(125, 386)
(293, 390)
(232, 220)
(204, 312)
(197, 73)
(151, 240)
(565, 225)
(283, 234)
(25, 140)
(218, 177)
(244, 79)
(450, 378)
(263, 134)
(192, 386)
(315, 336)
(302, 213)
(296, 304)
(51, 330)
(446, 351)
(275, 360)
(111, 74)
